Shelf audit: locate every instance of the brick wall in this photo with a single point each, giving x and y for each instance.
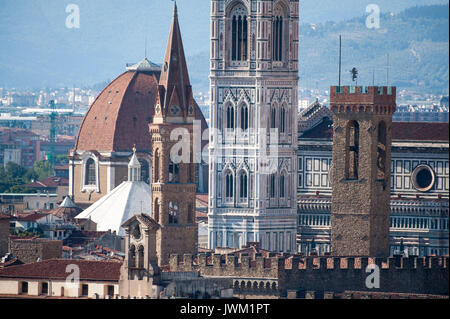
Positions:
(29, 250)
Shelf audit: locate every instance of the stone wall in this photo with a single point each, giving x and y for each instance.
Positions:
(4, 235)
(29, 250)
(278, 275)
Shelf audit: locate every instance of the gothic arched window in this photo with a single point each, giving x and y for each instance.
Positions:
(277, 35)
(173, 213)
(230, 117)
(244, 117)
(156, 176)
(273, 118)
(156, 211)
(282, 186)
(228, 185)
(381, 150)
(352, 150)
(272, 186)
(282, 120)
(243, 186)
(90, 178)
(239, 34)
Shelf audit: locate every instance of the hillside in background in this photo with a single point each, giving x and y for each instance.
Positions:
(38, 51)
(417, 41)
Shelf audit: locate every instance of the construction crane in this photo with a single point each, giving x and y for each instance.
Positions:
(52, 116)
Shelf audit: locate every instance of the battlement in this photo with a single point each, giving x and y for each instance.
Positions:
(397, 274)
(272, 262)
(375, 99)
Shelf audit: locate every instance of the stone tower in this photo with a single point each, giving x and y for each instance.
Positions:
(253, 136)
(361, 170)
(139, 272)
(173, 174)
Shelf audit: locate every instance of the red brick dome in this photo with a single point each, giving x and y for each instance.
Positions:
(120, 115)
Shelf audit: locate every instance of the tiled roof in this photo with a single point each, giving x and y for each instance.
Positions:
(401, 131)
(144, 219)
(4, 216)
(415, 131)
(120, 115)
(68, 209)
(53, 181)
(31, 217)
(56, 269)
(66, 212)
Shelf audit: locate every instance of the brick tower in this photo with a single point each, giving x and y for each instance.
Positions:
(173, 176)
(361, 170)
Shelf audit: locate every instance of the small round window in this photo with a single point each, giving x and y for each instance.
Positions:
(423, 178)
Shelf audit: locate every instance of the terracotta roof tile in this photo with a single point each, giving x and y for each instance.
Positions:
(401, 131)
(56, 269)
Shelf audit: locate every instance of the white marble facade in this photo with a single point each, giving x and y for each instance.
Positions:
(253, 129)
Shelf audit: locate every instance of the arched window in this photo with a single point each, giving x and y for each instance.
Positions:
(228, 185)
(282, 186)
(282, 120)
(145, 171)
(277, 35)
(174, 172)
(190, 216)
(272, 186)
(132, 257)
(230, 117)
(381, 150)
(243, 186)
(156, 211)
(156, 177)
(90, 172)
(239, 34)
(244, 118)
(141, 257)
(173, 213)
(273, 118)
(352, 150)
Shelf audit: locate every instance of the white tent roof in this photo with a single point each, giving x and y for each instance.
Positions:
(68, 203)
(122, 203)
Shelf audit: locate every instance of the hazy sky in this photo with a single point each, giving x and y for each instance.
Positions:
(34, 36)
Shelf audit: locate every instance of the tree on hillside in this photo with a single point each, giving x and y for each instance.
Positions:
(43, 169)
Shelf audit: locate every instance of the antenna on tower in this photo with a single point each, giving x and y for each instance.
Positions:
(340, 59)
(145, 54)
(387, 70)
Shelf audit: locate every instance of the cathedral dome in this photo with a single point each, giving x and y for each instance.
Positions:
(120, 115)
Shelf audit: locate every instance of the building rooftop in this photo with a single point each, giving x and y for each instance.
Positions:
(56, 269)
(401, 131)
(119, 205)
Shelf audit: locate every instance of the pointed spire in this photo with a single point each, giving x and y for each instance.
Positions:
(174, 73)
(175, 10)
